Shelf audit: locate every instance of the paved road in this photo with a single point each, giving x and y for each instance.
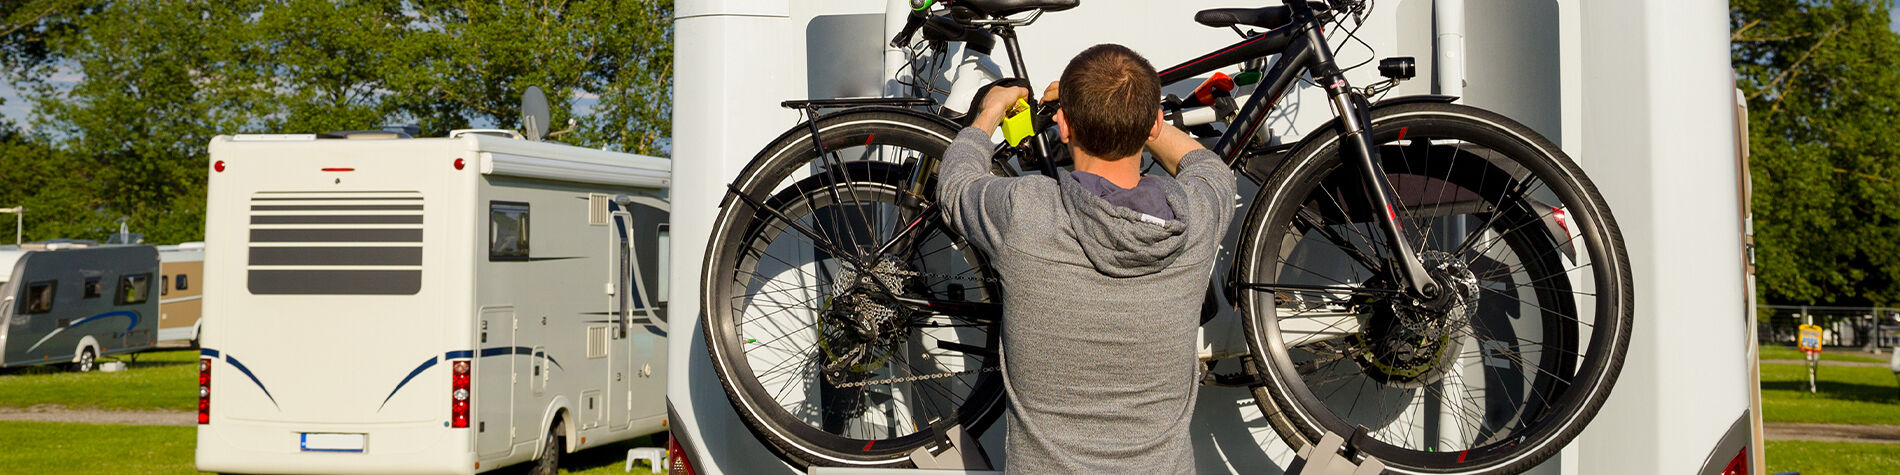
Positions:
(1831, 432)
(1863, 364)
(49, 413)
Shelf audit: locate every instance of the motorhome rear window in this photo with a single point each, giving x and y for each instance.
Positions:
(134, 289)
(39, 296)
(333, 243)
(507, 231)
(93, 288)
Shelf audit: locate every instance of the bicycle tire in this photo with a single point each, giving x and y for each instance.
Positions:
(1543, 427)
(743, 234)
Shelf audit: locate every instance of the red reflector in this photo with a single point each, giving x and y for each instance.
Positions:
(219, 165)
(339, 169)
(676, 461)
(204, 387)
(1738, 466)
(459, 164)
(459, 394)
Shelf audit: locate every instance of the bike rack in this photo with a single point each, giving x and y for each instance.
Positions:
(1326, 458)
(956, 453)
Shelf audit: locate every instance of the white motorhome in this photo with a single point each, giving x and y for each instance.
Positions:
(439, 305)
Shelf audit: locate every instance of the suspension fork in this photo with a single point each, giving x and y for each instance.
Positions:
(1355, 119)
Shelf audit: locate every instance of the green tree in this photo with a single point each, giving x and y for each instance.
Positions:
(133, 91)
(1822, 95)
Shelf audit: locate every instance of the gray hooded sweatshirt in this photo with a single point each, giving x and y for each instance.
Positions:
(1100, 308)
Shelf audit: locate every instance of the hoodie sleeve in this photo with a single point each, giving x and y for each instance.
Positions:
(1210, 183)
(976, 203)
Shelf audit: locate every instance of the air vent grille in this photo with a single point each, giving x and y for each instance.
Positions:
(597, 342)
(598, 213)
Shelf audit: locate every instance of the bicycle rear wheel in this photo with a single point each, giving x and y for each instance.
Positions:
(847, 324)
(1498, 372)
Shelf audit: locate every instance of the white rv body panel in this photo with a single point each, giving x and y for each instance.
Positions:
(1637, 96)
(346, 278)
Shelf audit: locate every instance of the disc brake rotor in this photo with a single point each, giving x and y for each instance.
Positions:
(1411, 343)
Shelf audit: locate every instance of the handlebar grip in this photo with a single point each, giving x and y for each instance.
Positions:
(911, 23)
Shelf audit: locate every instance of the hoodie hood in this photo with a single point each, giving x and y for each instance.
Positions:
(1122, 242)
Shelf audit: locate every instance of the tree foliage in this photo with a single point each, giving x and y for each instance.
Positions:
(132, 91)
(1822, 94)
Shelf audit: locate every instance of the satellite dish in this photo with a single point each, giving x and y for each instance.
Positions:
(534, 114)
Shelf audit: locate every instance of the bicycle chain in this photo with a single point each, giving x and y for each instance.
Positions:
(921, 377)
(907, 273)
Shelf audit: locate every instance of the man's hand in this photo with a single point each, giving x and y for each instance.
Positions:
(996, 104)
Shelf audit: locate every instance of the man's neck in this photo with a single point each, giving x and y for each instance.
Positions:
(1125, 172)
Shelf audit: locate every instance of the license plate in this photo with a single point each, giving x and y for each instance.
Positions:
(330, 442)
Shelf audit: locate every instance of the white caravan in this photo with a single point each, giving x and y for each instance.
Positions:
(427, 305)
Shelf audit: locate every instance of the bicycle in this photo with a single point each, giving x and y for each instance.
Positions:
(1446, 265)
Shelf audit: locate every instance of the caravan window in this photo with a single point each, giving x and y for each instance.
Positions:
(183, 283)
(39, 297)
(507, 231)
(164, 285)
(134, 288)
(93, 288)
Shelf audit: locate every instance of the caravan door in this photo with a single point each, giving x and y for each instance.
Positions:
(495, 385)
(620, 395)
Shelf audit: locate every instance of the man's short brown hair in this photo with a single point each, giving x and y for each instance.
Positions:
(1110, 96)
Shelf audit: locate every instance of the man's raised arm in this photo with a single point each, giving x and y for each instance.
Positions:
(976, 202)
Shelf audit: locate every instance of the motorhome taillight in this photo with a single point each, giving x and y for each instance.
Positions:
(204, 390)
(1738, 466)
(676, 460)
(219, 165)
(459, 164)
(458, 394)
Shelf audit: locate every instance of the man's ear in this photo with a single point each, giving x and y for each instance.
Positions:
(1155, 132)
(1062, 124)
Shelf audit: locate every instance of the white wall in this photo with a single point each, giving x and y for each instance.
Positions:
(1656, 121)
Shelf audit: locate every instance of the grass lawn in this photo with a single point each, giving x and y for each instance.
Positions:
(165, 379)
(51, 447)
(1847, 395)
(1778, 352)
(1829, 458)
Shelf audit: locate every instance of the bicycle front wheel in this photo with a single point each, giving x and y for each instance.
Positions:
(1497, 372)
(847, 323)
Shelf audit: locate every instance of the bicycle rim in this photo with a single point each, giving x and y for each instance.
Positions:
(1496, 381)
(811, 353)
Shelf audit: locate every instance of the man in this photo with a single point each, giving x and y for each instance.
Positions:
(1104, 270)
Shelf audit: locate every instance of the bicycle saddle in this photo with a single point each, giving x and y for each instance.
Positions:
(1265, 17)
(1011, 7)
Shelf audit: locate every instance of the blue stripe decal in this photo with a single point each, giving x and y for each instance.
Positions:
(426, 364)
(656, 330)
(516, 350)
(247, 372)
(208, 352)
(121, 313)
(458, 354)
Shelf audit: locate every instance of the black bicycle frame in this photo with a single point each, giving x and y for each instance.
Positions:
(1303, 49)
